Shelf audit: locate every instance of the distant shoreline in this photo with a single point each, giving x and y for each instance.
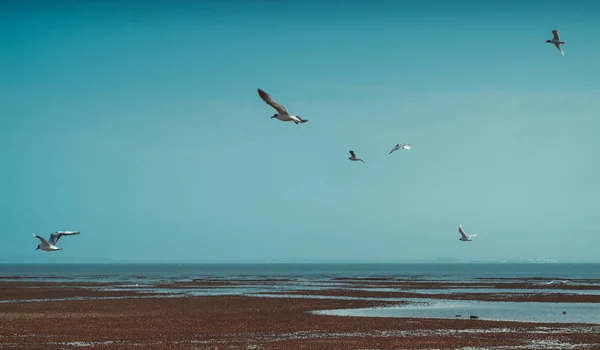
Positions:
(307, 263)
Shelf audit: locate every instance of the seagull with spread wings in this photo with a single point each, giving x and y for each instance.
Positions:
(282, 113)
(354, 158)
(54, 237)
(556, 41)
(398, 146)
(464, 237)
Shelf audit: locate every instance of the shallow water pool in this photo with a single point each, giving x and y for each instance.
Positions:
(486, 310)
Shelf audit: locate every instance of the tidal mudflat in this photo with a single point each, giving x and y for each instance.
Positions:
(296, 313)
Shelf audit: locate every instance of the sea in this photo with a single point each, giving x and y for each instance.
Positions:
(419, 271)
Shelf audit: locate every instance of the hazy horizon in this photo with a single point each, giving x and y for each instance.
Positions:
(79, 260)
(138, 123)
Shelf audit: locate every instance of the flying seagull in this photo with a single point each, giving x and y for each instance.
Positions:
(556, 41)
(282, 113)
(464, 237)
(353, 157)
(54, 237)
(398, 146)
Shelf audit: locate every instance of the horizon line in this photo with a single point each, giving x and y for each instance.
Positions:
(300, 262)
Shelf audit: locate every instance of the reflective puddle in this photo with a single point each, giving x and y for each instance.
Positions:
(484, 310)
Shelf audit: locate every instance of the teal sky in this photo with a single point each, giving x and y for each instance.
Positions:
(138, 123)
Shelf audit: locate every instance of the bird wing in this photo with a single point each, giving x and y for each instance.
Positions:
(42, 239)
(461, 231)
(397, 147)
(352, 154)
(473, 235)
(279, 108)
(555, 33)
(560, 49)
(55, 236)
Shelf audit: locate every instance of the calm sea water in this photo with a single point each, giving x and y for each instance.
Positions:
(448, 272)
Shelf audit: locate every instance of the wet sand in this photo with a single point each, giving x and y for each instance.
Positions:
(551, 297)
(247, 322)
(56, 290)
(522, 283)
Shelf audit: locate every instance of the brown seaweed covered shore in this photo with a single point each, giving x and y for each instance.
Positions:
(246, 322)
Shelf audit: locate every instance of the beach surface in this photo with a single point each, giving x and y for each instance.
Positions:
(59, 315)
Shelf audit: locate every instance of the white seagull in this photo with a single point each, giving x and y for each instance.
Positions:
(398, 146)
(282, 113)
(556, 41)
(464, 237)
(54, 237)
(353, 157)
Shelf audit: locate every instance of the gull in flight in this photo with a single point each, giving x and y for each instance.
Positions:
(398, 146)
(464, 237)
(282, 113)
(556, 41)
(353, 157)
(54, 237)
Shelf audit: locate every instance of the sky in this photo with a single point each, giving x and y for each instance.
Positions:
(138, 123)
